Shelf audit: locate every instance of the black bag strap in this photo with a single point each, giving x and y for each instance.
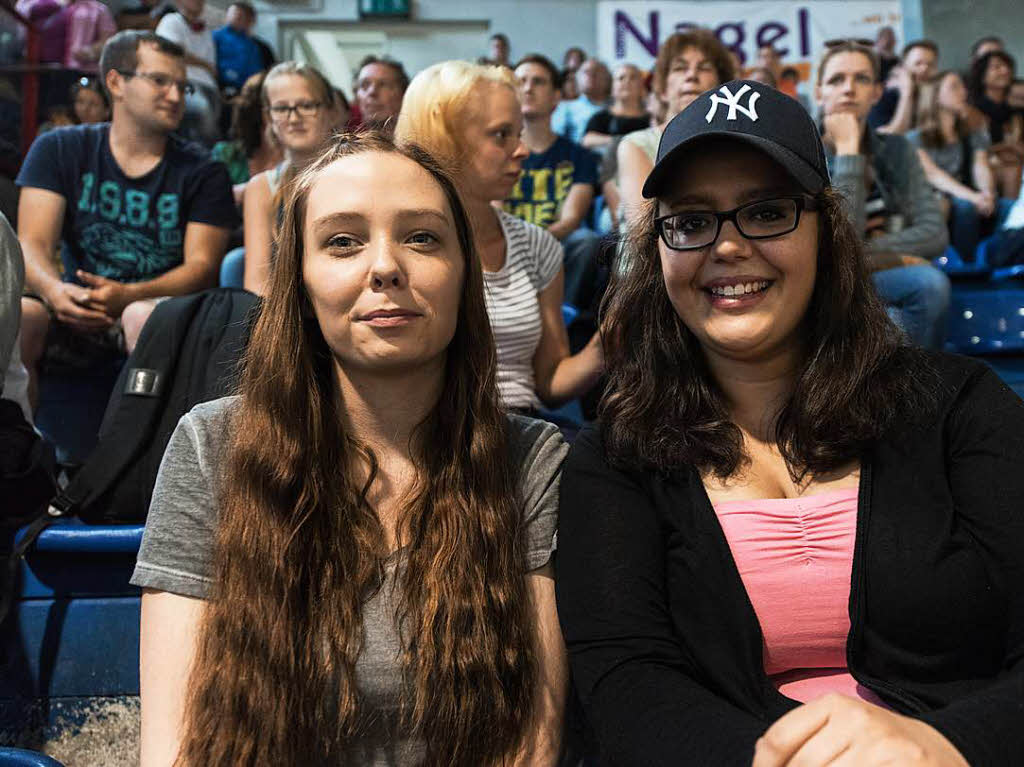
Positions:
(15, 557)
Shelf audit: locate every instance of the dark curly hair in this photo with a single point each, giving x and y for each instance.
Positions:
(703, 40)
(663, 409)
(976, 74)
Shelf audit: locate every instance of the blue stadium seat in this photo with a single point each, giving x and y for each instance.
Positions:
(952, 264)
(232, 269)
(73, 631)
(17, 757)
(569, 313)
(986, 318)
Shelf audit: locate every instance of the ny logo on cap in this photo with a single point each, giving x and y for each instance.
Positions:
(733, 102)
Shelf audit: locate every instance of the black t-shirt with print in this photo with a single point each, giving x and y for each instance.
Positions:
(127, 229)
(615, 125)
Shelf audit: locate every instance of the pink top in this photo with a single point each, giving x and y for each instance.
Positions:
(795, 556)
(89, 21)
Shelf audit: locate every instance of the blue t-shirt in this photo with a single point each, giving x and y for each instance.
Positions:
(238, 57)
(127, 229)
(546, 179)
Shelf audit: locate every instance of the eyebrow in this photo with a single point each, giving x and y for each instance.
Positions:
(759, 193)
(343, 217)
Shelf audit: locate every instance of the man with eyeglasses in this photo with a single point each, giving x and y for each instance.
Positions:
(137, 213)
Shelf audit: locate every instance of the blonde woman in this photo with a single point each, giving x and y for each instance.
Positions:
(301, 108)
(468, 116)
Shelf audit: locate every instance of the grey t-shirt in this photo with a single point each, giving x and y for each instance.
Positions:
(177, 551)
(951, 156)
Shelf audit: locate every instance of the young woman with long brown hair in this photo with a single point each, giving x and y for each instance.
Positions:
(792, 539)
(348, 563)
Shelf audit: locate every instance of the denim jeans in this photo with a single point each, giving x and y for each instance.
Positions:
(917, 299)
(581, 249)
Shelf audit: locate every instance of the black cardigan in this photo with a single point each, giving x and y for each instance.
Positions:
(665, 647)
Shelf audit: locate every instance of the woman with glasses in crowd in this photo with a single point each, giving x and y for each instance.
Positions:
(688, 64)
(469, 117)
(300, 105)
(792, 539)
(348, 563)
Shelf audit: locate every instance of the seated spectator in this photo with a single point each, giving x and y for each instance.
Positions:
(1015, 98)
(498, 50)
(309, 550)
(952, 143)
(573, 58)
(769, 58)
(764, 76)
(187, 28)
(627, 113)
(792, 539)
(89, 25)
(986, 45)
(885, 50)
(557, 184)
(570, 87)
(894, 111)
(887, 196)
(251, 147)
(688, 64)
(1007, 247)
(299, 104)
(137, 15)
(988, 88)
(380, 86)
(89, 101)
(570, 118)
(238, 56)
(141, 213)
(469, 118)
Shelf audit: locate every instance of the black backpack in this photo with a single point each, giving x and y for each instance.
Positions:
(188, 353)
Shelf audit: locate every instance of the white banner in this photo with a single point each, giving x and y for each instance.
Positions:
(631, 31)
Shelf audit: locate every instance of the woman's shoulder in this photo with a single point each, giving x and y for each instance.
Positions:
(532, 440)
(210, 422)
(522, 237)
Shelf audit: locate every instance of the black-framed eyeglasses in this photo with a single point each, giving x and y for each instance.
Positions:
(760, 220)
(282, 112)
(161, 81)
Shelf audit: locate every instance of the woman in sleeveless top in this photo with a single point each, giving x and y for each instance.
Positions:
(792, 539)
(469, 117)
(688, 64)
(302, 110)
(349, 562)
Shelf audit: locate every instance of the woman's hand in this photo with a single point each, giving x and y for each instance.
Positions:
(841, 731)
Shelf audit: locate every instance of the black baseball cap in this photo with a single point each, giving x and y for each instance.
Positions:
(751, 112)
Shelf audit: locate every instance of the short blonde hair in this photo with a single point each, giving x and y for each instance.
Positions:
(437, 104)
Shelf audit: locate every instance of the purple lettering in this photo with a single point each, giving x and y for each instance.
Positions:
(740, 35)
(769, 33)
(624, 23)
(804, 21)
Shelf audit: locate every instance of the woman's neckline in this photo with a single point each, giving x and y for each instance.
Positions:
(842, 492)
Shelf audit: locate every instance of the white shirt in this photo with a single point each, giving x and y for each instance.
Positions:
(175, 28)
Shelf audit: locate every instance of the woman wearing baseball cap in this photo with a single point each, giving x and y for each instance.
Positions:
(792, 539)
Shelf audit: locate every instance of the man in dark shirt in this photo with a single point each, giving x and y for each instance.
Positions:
(142, 215)
(894, 111)
(557, 184)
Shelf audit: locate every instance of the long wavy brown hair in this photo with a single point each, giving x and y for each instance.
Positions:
(663, 409)
(299, 548)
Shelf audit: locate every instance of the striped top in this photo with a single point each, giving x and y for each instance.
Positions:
(533, 258)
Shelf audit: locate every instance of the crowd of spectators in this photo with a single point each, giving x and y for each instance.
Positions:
(168, 151)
